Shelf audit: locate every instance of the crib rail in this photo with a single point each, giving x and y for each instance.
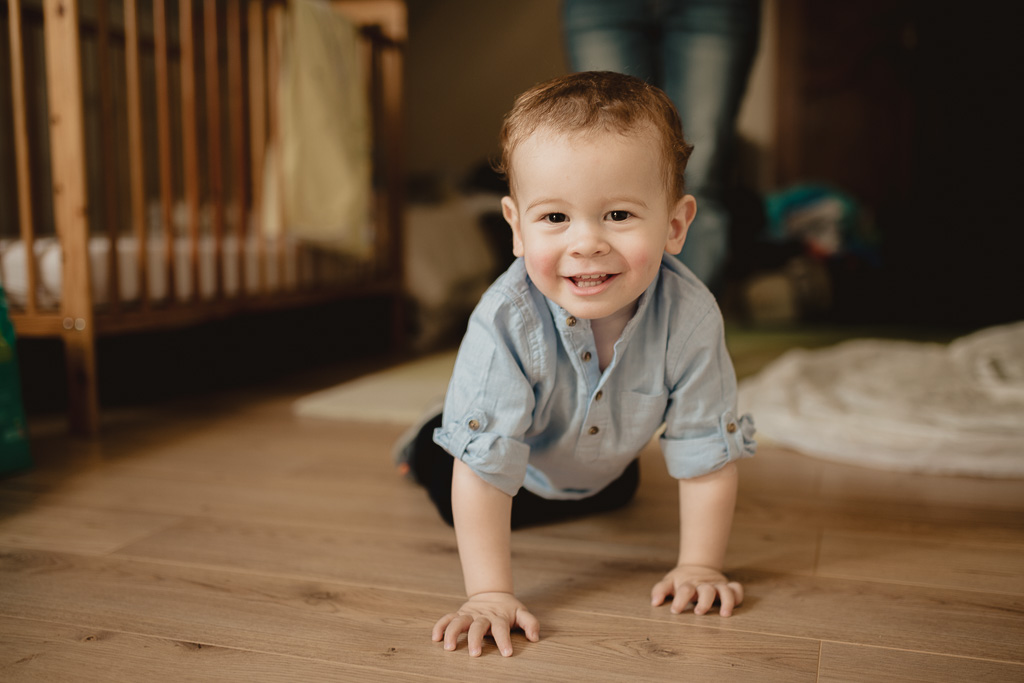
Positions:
(155, 105)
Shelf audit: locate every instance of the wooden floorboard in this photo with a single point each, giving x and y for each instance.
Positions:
(850, 664)
(953, 564)
(72, 528)
(221, 538)
(47, 651)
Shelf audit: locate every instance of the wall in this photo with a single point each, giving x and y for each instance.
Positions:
(467, 61)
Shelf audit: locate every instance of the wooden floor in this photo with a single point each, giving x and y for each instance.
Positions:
(222, 539)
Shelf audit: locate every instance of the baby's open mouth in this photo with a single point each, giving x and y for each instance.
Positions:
(585, 281)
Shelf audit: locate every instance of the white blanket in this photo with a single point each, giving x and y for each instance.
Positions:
(956, 409)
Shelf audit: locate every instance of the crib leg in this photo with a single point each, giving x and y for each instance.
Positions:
(83, 397)
(70, 201)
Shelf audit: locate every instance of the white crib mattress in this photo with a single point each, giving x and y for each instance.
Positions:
(49, 258)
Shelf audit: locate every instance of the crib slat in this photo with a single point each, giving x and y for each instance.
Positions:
(375, 96)
(190, 142)
(137, 180)
(236, 96)
(24, 172)
(258, 129)
(212, 60)
(163, 118)
(275, 19)
(392, 117)
(106, 150)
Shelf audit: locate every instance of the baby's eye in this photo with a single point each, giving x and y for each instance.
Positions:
(619, 216)
(556, 218)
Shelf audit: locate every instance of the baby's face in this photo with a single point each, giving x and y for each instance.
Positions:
(592, 217)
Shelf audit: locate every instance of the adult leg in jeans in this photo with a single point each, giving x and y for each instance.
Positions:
(707, 49)
(611, 35)
(699, 52)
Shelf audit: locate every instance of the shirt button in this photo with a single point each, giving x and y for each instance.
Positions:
(594, 430)
(474, 425)
(731, 427)
(570, 321)
(586, 356)
(598, 395)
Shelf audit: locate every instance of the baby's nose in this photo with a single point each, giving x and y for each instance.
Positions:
(588, 240)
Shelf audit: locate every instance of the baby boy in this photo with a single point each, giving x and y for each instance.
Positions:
(593, 340)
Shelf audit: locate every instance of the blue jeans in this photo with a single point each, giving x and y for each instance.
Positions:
(699, 52)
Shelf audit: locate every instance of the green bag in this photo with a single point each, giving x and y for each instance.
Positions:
(14, 453)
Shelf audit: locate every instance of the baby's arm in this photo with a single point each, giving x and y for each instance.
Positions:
(705, 517)
(483, 529)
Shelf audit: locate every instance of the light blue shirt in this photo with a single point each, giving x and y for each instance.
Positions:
(528, 406)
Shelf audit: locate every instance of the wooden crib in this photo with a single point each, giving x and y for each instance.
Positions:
(155, 110)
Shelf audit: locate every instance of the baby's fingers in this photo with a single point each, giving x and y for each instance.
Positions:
(478, 629)
(706, 593)
(684, 593)
(661, 591)
(727, 598)
(530, 625)
(737, 590)
(437, 633)
(502, 638)
(460, 624)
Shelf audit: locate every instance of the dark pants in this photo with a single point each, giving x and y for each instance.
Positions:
(432, 467)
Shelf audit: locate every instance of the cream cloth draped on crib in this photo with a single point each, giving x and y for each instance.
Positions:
(324, 179)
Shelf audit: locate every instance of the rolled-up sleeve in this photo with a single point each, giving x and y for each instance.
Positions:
(703, 433)
(489, 404)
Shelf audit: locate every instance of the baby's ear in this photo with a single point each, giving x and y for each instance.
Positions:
(511, 214)
(679, 223)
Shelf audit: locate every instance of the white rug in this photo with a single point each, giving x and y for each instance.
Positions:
(398, 395)
(956, 409)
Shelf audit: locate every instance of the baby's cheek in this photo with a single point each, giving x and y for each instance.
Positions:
(541, 265)
(651, 266)
(645, 262)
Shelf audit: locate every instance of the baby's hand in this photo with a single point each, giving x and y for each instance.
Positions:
(688, 581)
(494, 613)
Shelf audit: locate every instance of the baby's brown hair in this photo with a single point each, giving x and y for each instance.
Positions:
(597, 101)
